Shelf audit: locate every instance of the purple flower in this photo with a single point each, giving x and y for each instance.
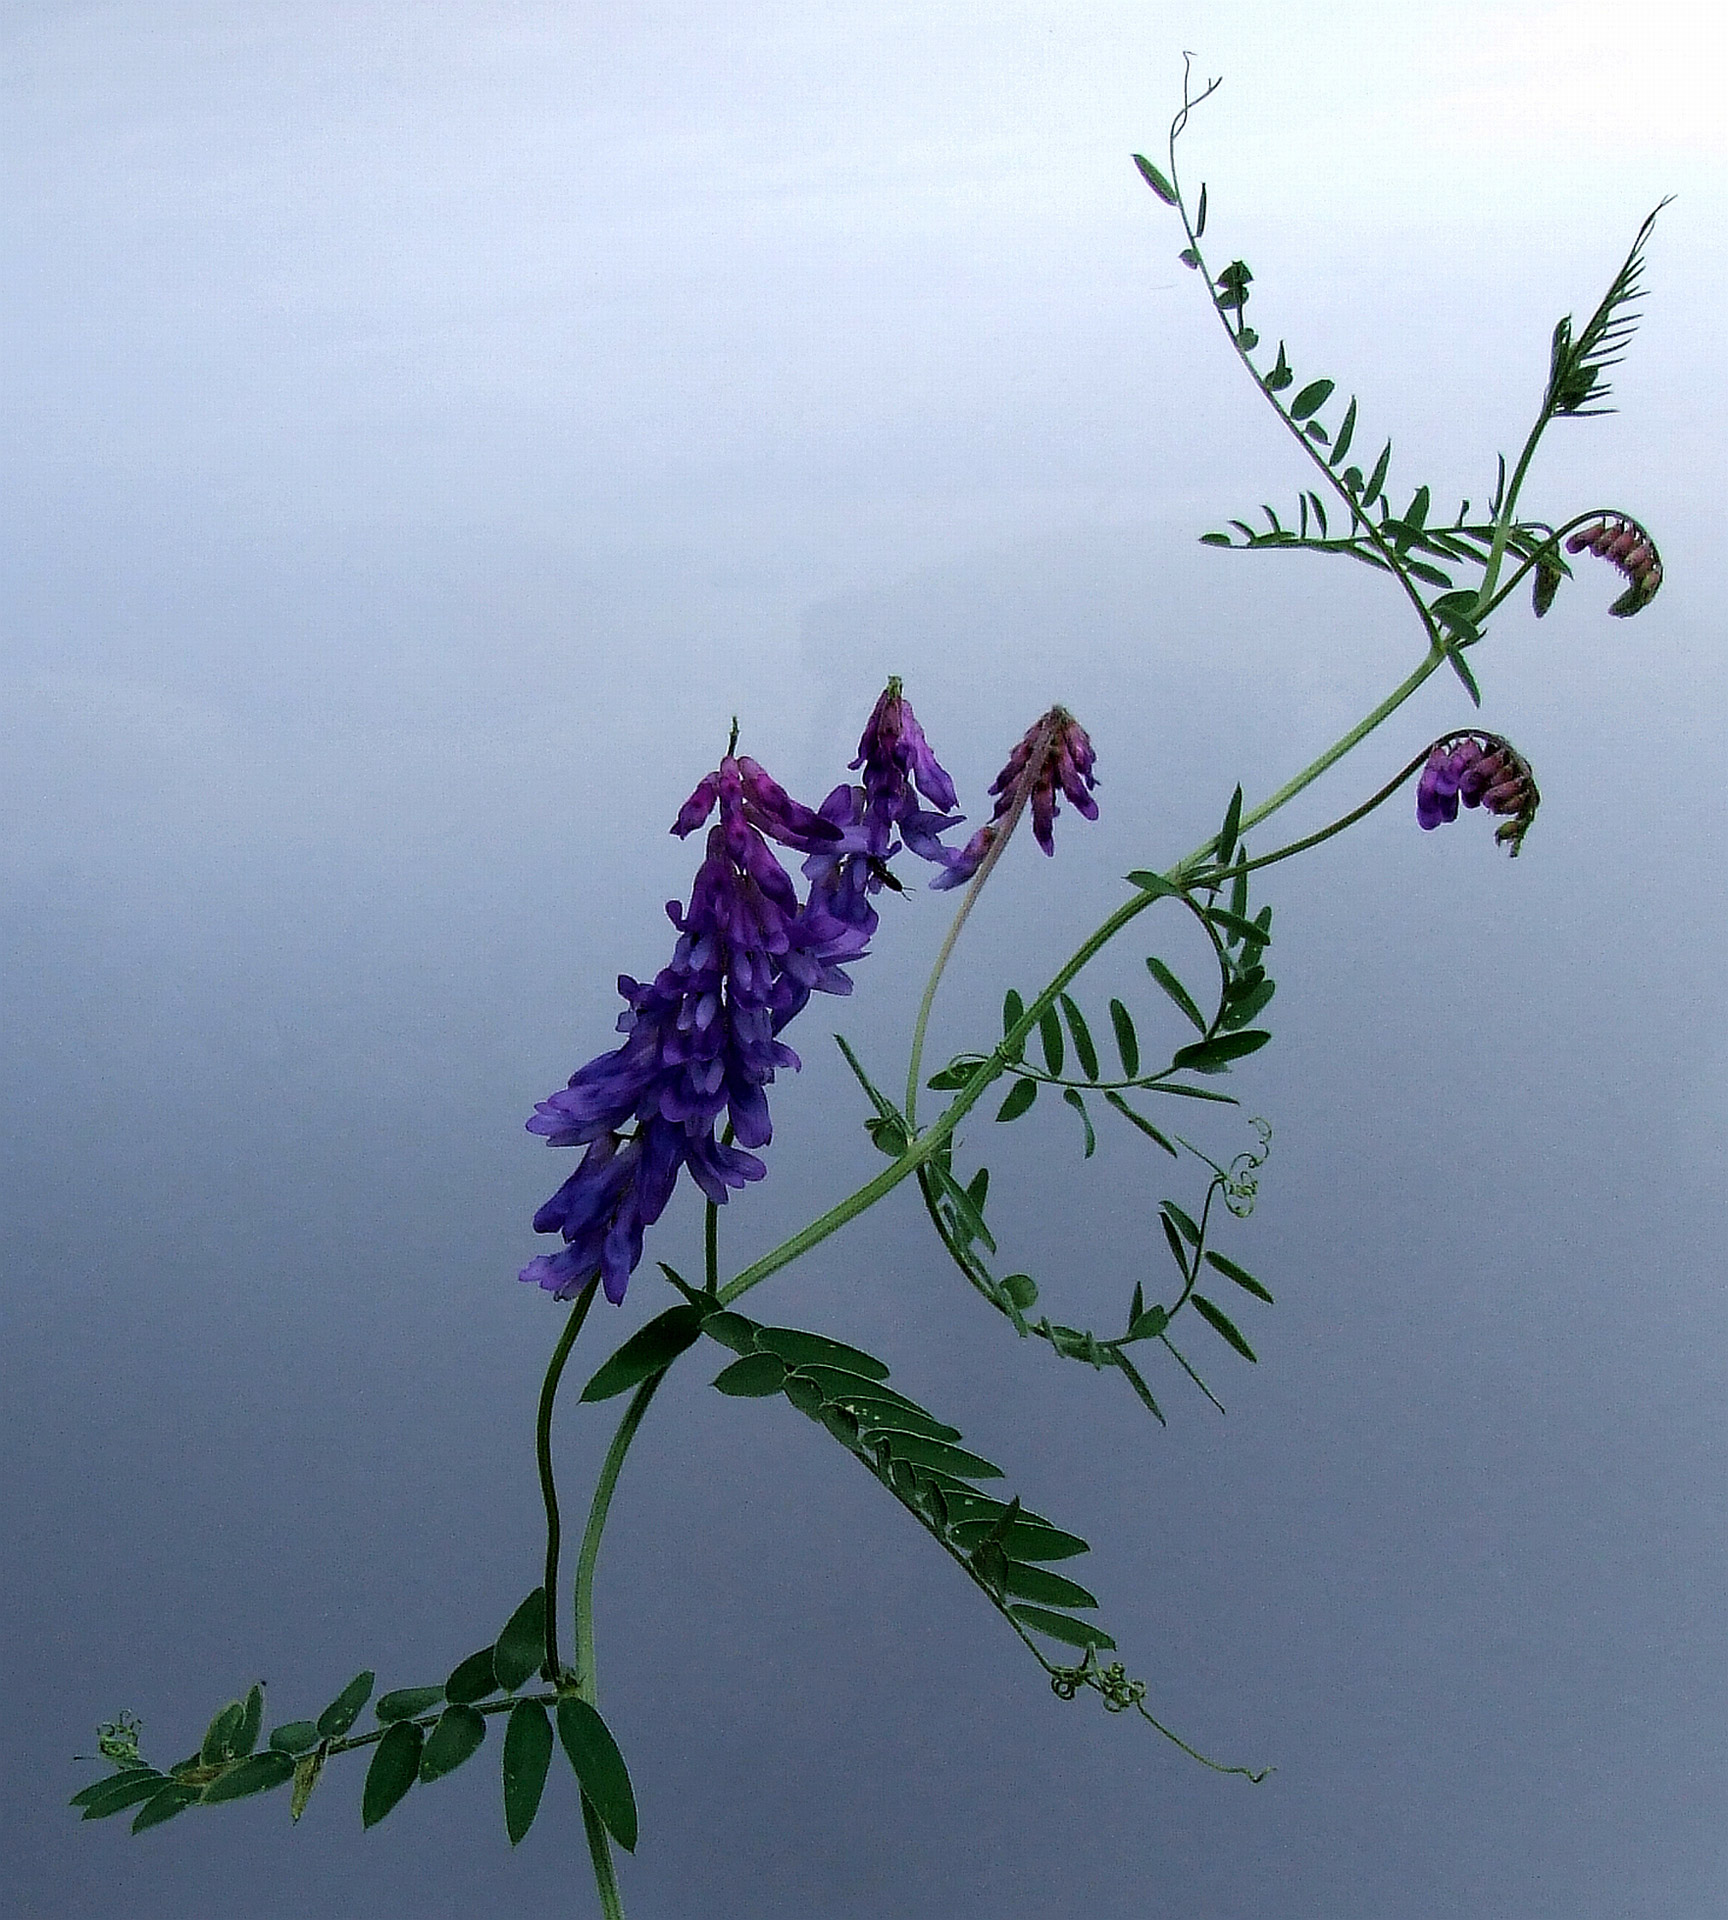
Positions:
(896, 759)
(701, 1037)
(1481, 770)
(1054, 753)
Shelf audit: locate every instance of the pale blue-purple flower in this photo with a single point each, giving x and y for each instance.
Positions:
(1479, 770)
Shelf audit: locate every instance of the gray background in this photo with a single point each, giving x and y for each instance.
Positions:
(426, 427)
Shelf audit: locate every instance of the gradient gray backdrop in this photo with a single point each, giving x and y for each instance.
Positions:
(426, 426)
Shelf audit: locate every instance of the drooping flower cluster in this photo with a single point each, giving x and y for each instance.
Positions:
(1054, 753)
(1633, 551)
(1481, 770)
(702, 1038)
(896, 759)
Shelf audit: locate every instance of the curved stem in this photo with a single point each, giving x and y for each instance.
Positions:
(543, 1456)
(927, 1144)
(598, 1509)
(600, 1854)
(998, 846)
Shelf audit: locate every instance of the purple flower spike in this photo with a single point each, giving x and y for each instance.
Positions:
(1053, 754)
(898, 766)
(1481, 770)
(700, 1038)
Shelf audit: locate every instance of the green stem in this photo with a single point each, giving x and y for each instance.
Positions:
(600, 1854)
(1012, 1042)
(598, 1508)
(543, 1455)
(915, 1066)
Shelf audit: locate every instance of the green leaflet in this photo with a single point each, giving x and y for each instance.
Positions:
(344, 1710)
(599, 1768)
(394, 1769)
(174, 1798)
(814, 1350)
(403, 1704)
(455, 1738)
(1240, 1275)
(255, 1775)
(527, 1755)
(1127, 1040)
(473, 1679)
(522, 1645)
(1084, 1051)
(1216, 1318)
(1175, 989)
(1072, 1096)
(649, 1350)
(123, 1790)
(1020, 1098)
(753, 1377)
(1060, 1626)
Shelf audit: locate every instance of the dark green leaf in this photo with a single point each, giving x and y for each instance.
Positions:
(1072, 1096)
(978, 1187)
(1235, 926)
(122, 1791)
(599, 1768)
(1184, 1225)
(805, 1395)
(1217, 1318)
(1200, 216)
(174, 1798)
(1024, 1540)
(220, 1735)
(1154, 883)
(1226, 842)
(1377, 479)
(1544, 587)
(1189, 257)
(251, 1723)
(1215, 1055)
(1059, 1626)
(1174, 987)
(1416, 514)
(522, 1645)
(404, 1704)
(1022, 1289)
(1216, 540)
(1131, 1374)
(1320, 509)
(1127, 1040)
(1420, 570)
(1252, 1002)
(1280, 377)
(849, 1389)
(1173, 1239)
(1312, 397)
(527, 1755)
(455, 1738)
(1140, 1120)
(1050, 1032)
(294, 1736)
(1148, 1325)
(731, 1330)
(1191, 1093)
(814, 1350)
(1020, 1097)
(648, 1350)
(753, 1377)
(109, 1781)
(990, 1563)
(1155, 180)
(1013, 1012)
(1341, 445)
(1316, 432)
(968, 1221)
(1084, 1051)
(917, 1451)
(256, 1775)
(344, 1710)
(476, 1677)
(1048, 1589)
(840, 1423)
(394, 1769)
(1240, 1275)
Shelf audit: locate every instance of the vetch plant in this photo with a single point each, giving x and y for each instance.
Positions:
(782, 907)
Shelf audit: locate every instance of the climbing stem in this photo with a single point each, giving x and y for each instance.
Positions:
(543, 1455)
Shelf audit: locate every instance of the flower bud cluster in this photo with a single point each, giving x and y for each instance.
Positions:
(1632, 550)
(1481, 770)
(1054, 754)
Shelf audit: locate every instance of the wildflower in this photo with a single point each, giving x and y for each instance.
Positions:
(1053, 753)
(701, 1037)
(1632, 550)
(1481, 770)
(896, 759)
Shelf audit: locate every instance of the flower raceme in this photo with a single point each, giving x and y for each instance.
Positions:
(1053, 753)
(1632, 550)
(1481, 770)
(702, 1037)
